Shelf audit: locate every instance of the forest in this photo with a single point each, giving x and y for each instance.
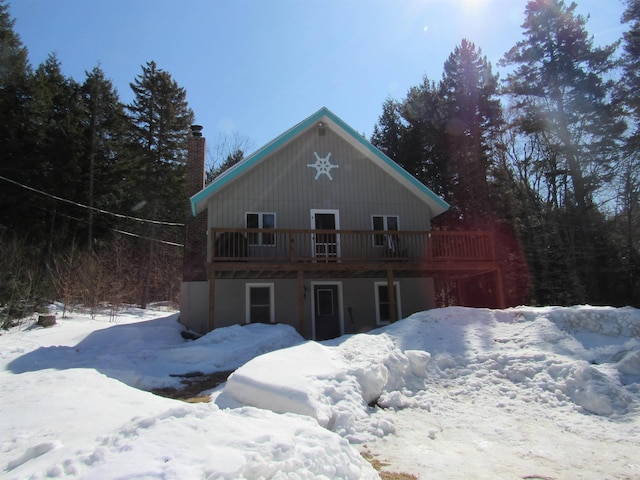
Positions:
(92, 202)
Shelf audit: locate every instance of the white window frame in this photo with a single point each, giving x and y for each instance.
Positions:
(376, 287)
(247, 300)
(260, 225)
(383, 232)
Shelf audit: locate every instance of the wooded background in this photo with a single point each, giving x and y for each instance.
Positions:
(92, 191)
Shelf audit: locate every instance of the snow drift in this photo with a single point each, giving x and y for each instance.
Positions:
(447, 393)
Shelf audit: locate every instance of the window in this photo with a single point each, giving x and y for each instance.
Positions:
(260, 303)
(383, 312)
(384, 223)
(262, 221)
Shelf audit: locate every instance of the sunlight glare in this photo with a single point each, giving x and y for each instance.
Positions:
(472, 4)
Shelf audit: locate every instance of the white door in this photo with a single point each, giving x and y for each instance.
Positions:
(326, 246)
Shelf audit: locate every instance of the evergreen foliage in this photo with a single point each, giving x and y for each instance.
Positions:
(547, 163)
(160, 118)
(104, 154)
(553, 176)
(626, 222)
(69, 154)
(562, 96)
(473, 119)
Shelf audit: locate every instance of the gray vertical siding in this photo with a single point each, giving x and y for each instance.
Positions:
(358, 309)
(284, 184)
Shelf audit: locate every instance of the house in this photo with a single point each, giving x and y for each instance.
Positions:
(320, 230)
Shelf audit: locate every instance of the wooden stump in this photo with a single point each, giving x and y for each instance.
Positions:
(46, 320)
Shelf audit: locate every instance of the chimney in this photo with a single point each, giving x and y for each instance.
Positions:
(194, 266)
(195, 161)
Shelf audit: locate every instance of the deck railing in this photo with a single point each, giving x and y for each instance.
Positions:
(348, 246)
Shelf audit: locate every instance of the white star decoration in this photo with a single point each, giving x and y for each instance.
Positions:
(322, 165)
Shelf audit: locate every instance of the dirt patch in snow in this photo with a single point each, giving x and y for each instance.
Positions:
(379, 465)
(194, 384)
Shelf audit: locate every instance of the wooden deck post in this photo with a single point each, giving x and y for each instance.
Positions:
(500, 288)
(212, 297)
(391, 292)
(459, 293)
(301, 301)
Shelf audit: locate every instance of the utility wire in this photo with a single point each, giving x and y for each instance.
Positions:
(123, 232)
(118, 215)
(165, 242)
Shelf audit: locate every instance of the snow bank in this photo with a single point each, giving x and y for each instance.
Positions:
(553, 356)
(495, 393)
(64, 416)
(317, 383)
(97, 434)
(584, 355)
(150, 353)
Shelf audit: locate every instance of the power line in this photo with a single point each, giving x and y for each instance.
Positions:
(130, 234)
(118, 215)
(165, 242)
(123, 232)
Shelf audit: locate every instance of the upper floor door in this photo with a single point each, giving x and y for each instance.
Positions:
(326, 246)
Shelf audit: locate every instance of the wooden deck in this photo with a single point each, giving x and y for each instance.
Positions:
(243, 251)
(298, 254)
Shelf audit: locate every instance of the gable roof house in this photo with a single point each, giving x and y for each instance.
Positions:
(320, 230)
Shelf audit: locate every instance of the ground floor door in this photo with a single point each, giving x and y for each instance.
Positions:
(327, 318)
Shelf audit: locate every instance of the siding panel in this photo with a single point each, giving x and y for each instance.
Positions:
(284, 183)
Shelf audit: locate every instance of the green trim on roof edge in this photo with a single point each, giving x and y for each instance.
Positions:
(254, 158)
(377, 152)
(279, 141)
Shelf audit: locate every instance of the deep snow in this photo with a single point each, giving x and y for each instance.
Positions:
(451, 393)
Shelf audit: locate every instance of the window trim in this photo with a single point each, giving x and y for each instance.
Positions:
(385, 229)
(260, 226)
(247, 300)
(376, 289)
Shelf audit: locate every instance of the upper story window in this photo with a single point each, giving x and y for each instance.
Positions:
(384, 223)
(262, 220)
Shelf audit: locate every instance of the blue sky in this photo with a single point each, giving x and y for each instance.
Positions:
(258, 67)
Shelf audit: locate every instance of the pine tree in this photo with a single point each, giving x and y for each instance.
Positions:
(388, 132)
(631, 67)
(15, 116)
(474, 117)
(627, 219)
(562, 100)
(160, 120)
(411, 133)
(424, 150)
(53, 161)
(104, 153)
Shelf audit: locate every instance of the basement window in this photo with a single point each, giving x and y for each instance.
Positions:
(259, 303)
(383, 311)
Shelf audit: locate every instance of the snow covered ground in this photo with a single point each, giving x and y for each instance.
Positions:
(447, 394)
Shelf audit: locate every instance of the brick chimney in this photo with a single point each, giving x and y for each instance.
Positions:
(194, 266)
